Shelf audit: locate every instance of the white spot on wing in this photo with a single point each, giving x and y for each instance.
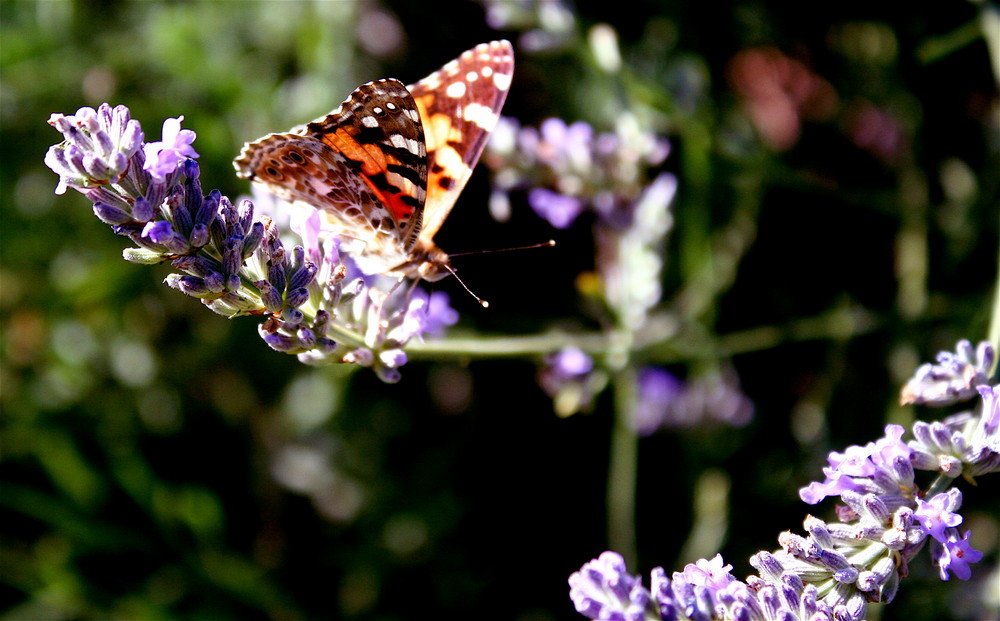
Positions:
(369, 121)
(455, 90)
(502, 81)
(481, 115)
(415, 147)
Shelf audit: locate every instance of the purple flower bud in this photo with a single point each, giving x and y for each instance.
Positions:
(846, 575)
(875, 508)
(232, 259)
(95, 166)
(109, 214)
(199, 236)
(818, 530)
(215, 282)
(767, 565)
(388, 375)
(326, 346)
(281, 342)
(191, 170)
(303, 276)
(195, 264)
(142, 210)
(132, 137)
(189, 285)
(252, 239)
(276, 274)
(392, 358)
(880, 572)
(361, 356)
(292, 316)
(209, 208)
(162, 232)
(244, 212)
(297, 297)
(270, 296)
(321, 322)
(307, 338)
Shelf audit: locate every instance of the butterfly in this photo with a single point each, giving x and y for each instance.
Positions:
(386, 167)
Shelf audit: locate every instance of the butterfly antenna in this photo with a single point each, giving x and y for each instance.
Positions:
(481, 301)
(545, 244)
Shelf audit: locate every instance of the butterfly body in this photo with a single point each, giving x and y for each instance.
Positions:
(386, 167)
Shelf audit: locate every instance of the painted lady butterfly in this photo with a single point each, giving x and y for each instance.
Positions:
(386, 167)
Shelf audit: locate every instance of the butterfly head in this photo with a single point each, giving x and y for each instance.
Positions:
(428, 263)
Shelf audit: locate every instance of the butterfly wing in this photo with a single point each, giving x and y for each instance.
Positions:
(364, 166)
(459, 106)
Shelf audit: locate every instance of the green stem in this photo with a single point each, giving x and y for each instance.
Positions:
(661, 340)
(519, 346)
(623, 469)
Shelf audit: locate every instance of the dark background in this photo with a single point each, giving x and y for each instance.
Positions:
(144, 470)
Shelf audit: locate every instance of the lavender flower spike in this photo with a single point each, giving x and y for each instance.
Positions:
(836, 569)
(954, 378)
(985, 446)
(97, 146)
(603, 589)
(233, 259)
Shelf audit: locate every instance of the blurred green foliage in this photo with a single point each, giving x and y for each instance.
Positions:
(159, 462)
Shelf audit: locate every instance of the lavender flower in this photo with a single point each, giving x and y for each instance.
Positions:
(234, 258)
(954, 555)
(602, 589)
(834, 569)
(984, 449)
(937, 515)
(569, 377)
(547, 24)
(967, 443)
(162, 158)
(570, 167)
(97, 148)
(558, 209)
(657, 390)
(954, 378)
(665, 402)
(881, 466)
